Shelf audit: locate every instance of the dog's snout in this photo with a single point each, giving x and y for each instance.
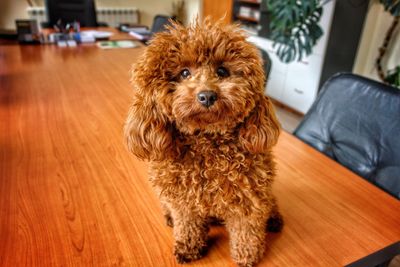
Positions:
(207, 98)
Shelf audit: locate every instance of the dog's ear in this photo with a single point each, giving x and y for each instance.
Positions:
(147, 132)
(261, 129)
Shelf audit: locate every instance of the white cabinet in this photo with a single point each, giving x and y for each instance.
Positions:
(275, 82)
(296, 84)
(301, 85)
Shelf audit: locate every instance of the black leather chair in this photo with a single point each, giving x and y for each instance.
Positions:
(159, 23)
(267, 62)
(356, 121)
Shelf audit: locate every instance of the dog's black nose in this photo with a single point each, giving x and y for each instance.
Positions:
(207, 98)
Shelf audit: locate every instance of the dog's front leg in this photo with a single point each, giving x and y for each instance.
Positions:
(247, 239)
(190, 232)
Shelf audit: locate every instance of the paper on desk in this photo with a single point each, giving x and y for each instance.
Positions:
(97, 34)
(117, 44)
(141, 36)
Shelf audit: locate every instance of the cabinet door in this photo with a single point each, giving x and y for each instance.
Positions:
(275, 85)
(301, 84)
(218, 9)
(277, 77)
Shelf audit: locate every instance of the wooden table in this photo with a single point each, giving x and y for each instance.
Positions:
(71, 195)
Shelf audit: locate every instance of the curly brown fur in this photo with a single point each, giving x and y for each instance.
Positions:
(211, 161)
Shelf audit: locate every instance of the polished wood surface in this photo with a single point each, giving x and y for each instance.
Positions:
(71, 194)
(221, 9)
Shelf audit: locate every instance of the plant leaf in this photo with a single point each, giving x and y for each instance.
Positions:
(294, 27)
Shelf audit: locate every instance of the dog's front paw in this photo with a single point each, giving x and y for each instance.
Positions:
(247, 262)
(248, 256)
(185, 253)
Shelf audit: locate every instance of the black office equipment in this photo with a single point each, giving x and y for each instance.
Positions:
(27, 31)
(68, 11)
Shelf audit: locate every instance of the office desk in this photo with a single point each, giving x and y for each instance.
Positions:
(71, 195)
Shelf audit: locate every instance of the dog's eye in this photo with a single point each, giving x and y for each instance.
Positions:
(185, 73)
(222, 72)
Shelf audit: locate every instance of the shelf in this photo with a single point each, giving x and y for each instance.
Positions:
(247, 19)
(254, 2)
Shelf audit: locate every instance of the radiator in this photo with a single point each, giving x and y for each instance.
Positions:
(116, 15)
(110, 15)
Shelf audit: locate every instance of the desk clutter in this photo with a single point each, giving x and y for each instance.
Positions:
(140, 32)
(117, 44)
(68, 35)
(74, 38)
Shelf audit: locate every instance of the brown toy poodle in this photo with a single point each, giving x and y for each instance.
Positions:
(200, 117)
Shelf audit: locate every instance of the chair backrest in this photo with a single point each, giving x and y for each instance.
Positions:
(69, 11)
(356, 121)
(267, 62)
(159, 23)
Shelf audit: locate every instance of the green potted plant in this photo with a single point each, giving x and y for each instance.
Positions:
(295, 30)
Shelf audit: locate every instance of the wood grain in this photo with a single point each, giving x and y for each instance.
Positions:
(221, 9)
(71, 195)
